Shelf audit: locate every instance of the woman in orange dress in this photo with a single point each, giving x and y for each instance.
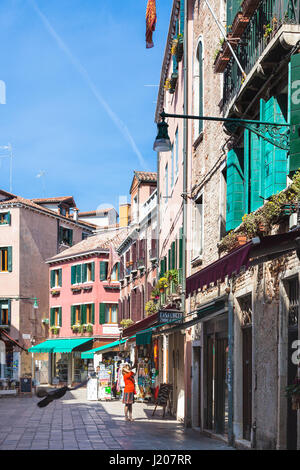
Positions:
(129, 391)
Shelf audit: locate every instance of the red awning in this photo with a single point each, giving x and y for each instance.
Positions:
(218, 270)
(141, 325)
(12, 340)
(234, 261)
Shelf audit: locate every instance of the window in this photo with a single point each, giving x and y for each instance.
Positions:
(90, 313)
(4, 312)
(84, 235)
(115, 272)
(65, 236)
(6, 259)
(222, 219)
(199, 87)
(5, 218)
(75, 315)
(88, 272)
(111, 313)
(197, 228)
(56, 278)
(103, 270)
(108, 313)
(55, 316)
(76, 274)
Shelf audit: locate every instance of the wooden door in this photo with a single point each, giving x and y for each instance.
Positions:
(247, 382)
(209, 382)
(220, 384)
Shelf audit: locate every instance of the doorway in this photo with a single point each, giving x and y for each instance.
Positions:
(293, 322)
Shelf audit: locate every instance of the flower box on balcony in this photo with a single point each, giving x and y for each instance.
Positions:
(55, 330)
(55, 293)
(87, 288)
(249, 6)
(76, 289)
(239, 25)
(173, 81)
(220, 62)
(179, 49)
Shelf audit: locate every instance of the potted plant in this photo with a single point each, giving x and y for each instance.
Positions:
(150, 308)
(162, 284)
(89, 328)
(172, 275)
(75, 328)
(55, 293)
(126, 323)
(155, 293)
(55, 330)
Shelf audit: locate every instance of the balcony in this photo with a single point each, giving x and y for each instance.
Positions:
(272, 30)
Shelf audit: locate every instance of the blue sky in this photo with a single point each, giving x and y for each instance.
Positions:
(77, 106)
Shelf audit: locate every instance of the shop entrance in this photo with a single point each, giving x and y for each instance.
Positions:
(293, 322)
(217, 393)
(247, 382)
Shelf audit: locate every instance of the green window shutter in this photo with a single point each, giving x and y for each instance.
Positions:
(8, 218)
(84, 272)
(252, 161)
(79, 273)
(60, 277)
(169, 258)
(9, 259)
(73, 274)
(52, 313)
(233, 7)
(59, 317)
(173, 255)
(93, 271)
(235, 189)
(103, 270)
(294, 111)
(181, 16)
(52, 278)
(93, 313)
(72, 315)
(101, 313)
(180, 247)
(83, 314)
(273, 159)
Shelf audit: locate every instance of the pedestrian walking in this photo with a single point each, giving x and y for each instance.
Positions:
(129, 391)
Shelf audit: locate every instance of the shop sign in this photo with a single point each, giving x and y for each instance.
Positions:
(169, 315)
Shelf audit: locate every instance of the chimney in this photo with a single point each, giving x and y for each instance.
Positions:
(124, 215)
(75, 214)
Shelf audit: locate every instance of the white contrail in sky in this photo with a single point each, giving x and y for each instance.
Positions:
(118, 122)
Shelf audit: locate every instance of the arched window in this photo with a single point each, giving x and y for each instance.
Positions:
(198, 87)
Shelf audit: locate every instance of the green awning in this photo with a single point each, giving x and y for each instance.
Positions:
(63, 345)
(90, 354)
(144, 337)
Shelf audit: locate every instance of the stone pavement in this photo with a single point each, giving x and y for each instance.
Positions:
(74, 423)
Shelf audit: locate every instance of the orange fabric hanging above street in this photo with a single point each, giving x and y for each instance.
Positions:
(150, 22)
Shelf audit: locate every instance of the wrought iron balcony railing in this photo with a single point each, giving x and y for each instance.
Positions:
(262, 27)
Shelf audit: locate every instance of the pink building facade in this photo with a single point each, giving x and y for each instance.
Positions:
(83, 303)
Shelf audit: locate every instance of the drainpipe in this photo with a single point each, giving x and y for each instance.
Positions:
(184, 212)
(230, 364)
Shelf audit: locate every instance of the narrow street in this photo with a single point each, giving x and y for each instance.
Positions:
(73, 423)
